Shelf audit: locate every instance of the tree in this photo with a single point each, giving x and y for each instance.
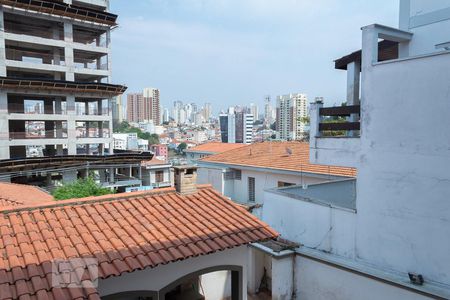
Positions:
(81, 188)
(181, 147)
(123, 126)
(273, 126)
(126, 128)
(153, 139)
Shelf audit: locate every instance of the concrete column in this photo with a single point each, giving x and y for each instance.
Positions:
(111, 175)
(369, 47)
(68, 51)
(2, 44)
(58, 105)
(4, 124)
(282, 277)
(111, 140)
(56, 52)
(353, 84)
(315, 119)
(99, 107)
(49, 129)
(100, 129)
(69, 176)
(59, 150)
(353, 72)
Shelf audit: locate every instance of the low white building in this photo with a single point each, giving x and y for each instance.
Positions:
(243, 174)
(156, 173)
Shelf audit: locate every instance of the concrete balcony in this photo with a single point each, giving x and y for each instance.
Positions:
(335, 140)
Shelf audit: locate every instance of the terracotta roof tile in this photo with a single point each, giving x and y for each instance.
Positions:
(274, 155)
(125, 232)
(12, 194)
(215, 147)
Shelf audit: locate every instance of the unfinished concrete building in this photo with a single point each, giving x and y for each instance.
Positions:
(55, 78)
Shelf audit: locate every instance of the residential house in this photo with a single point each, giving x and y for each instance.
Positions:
(162, 244)
(207, 149)
(243, 174)
(156, 173)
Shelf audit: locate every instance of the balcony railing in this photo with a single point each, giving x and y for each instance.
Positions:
(339, 121)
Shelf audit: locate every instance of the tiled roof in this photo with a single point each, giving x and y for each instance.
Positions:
(216, 147)
(274, 155)
(125, 232)
(19, 194)
(154, 162)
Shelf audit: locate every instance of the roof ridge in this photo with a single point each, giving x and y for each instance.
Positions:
(86, 200)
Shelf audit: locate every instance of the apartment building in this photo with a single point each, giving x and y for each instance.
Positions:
(135, 108)
(144, 107)
(55, 57)
(291, 109)
(152, 105)
(236, 127)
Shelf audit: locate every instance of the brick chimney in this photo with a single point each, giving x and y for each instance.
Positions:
(185, 179)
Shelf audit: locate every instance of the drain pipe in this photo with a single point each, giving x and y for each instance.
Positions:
(294, 286)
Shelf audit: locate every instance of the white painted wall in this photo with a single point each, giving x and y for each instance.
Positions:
(313, 225)
(403, 179)
(237, 190)
(319, 281)
(429, 21)
(282, 285)
(157, 278)
(211, 176)
(403, 182)
(216, 285)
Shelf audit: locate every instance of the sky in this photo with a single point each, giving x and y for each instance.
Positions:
(234, 52)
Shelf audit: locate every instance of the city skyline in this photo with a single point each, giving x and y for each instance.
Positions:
(226, 52)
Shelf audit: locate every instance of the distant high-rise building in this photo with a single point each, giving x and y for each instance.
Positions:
(144, 107)
(207, 110)
(268, 112)
(166, 115)
(135, 107)
(152, 105)
(254, 111)
(291, 109)
(236, 127)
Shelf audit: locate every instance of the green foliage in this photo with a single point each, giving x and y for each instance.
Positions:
(181, 147)
(79, 189)
(258, 122)
(304, 120)
(125, 127)
(335, 132)
(273, 126)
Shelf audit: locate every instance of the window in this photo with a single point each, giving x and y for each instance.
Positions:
(283, 184)
(251, 189)
(159, 176)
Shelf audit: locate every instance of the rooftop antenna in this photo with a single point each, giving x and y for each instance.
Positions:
(288, 151)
